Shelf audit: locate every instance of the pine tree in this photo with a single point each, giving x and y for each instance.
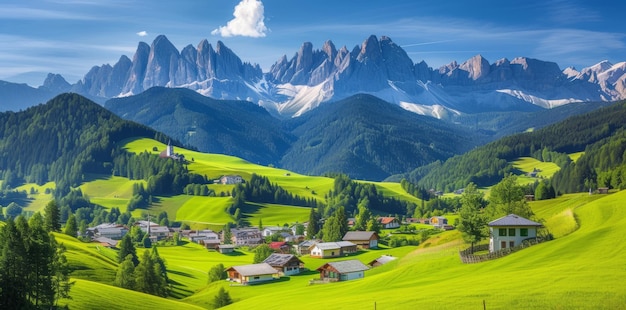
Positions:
(472, 223)
(149, 278)
(222, 299)
(312, 229)
(127, 248)
(227, 234)
(53, 216)
(125, 276)
(342, 221)
(71, 228)
(262, 252)
(331, 230)
(216, 273)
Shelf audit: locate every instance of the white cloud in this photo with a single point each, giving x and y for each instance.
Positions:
(142, 33)
(248, 21)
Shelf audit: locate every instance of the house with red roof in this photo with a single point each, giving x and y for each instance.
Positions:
(389, 222)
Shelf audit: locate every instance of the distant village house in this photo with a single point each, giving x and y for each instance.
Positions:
(231, 179)
(250, 274)
(285, 264)
(342, 270)
(363, 239)
(332, 249)
(389, 222)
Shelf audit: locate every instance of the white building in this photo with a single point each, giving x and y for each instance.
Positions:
(509, 231)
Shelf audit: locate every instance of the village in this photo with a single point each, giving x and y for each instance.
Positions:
(506, 234)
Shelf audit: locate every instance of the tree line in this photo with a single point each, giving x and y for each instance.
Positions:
(34, 272)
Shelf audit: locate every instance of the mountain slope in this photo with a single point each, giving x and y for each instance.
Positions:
(487, 164)
(367, 137)
(378, 66)
(235, 128)
(62, 141)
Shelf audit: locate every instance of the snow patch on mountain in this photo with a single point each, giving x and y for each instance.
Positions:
(544, 103)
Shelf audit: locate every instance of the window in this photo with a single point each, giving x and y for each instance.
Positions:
(511, 244)
(256, 278)
(523, 232)
(502, 232)
(503, 244)
(512, 232)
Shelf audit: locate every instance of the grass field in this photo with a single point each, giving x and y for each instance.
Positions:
(36, 202)
(528, 164)
(583, 267)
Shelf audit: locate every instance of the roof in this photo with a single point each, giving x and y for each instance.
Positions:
(383, 259)
(307, 243)
(359, 235)
(513, 220)
(277, 244)
(254, 269)
(106, 240)
(386, 219)
(226, 246)
(333, 245)
(346, 266)
(280, 259)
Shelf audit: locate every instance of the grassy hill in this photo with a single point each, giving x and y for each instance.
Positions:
(582, 268)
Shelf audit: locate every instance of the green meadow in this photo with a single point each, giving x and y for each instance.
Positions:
(580, 269)
(583, 267)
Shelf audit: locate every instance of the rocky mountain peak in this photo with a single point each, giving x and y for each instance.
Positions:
(477, 67)
(370, 50)
(56, 83)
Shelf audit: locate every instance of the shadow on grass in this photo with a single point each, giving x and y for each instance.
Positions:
(180, 273)
(281, 279)
(234, 253)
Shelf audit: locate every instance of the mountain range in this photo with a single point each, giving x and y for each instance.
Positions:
(378, 66)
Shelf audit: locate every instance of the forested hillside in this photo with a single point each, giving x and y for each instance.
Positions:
(488, 164)
(368, 138)
(231, 127)
(62, 141)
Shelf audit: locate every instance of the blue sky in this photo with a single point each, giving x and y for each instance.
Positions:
(71, 36)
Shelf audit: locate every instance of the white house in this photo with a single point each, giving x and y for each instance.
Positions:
(270, 230)
(342, 270)
(509, 231)
(252, 273)
(389, 222)
(231, 179)
(438, 221)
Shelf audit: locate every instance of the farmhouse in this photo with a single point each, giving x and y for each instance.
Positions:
(342, 270)
(303, 247)
(382, 260)
(332, 249)
(363, 239)
(245, 236)
(108, 230)
(249, 274)
(389, 222)
(438, 221)
(231, 179)
(106, 242)
(270, 230)
(279, 246)
(225, 248)
(509, 231)
(285, 264)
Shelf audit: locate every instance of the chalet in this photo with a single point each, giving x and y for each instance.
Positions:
(412, 220)
(294, 228)
(106, 242)
(342, 270)
(225, 248)
(270, 230)
(529, 197)
(207, 237)
(250, 274)
(294, 239)
(279, 246)
(603, 190)
(438, 221)
(509, 231)
(303, 247)
(230, 179)
(351, 221)
(154, 230)
(332, 249)
(382, 260)
(389, 222)
(108, 230)
(245, 236)
(285, 264)
(363, 239)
